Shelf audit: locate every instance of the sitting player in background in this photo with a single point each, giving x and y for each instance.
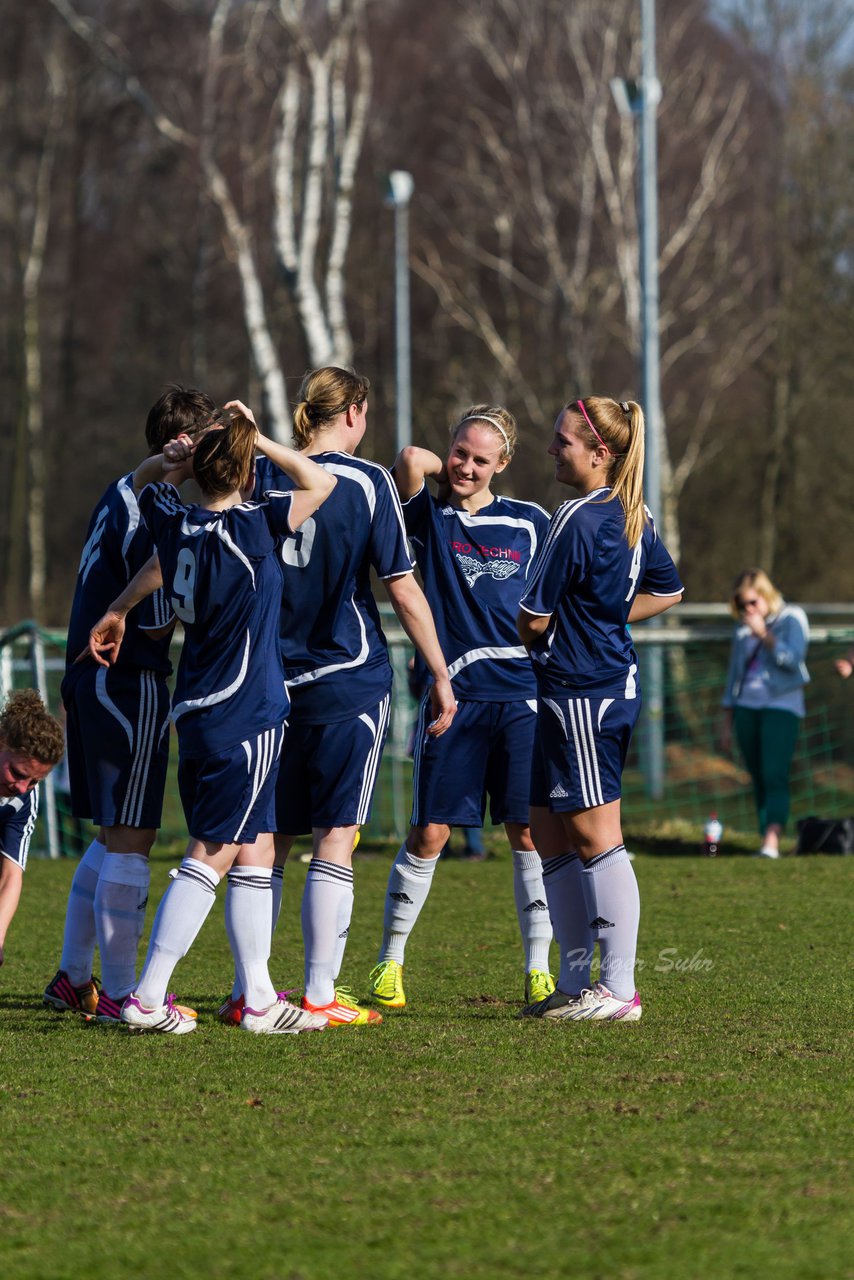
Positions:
(220, 569)
(338, 672)
(117, 731)
(474, 550)
(31, 744)
(601, 566)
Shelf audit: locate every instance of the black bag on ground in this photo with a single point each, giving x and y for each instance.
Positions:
(825, 835)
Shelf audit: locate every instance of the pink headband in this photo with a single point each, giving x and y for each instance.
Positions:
(580, 404)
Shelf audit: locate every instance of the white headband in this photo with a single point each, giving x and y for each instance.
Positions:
(484, 417)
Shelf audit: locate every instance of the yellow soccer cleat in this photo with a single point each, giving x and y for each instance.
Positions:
(539, 984)
(386, 981)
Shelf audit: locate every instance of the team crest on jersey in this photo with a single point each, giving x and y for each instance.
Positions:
(498, 569)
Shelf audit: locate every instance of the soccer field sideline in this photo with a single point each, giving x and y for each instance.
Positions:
(454, 1140)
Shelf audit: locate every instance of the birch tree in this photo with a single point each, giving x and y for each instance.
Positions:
(320, 73)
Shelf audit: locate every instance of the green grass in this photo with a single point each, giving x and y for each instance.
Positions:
(709, 1140)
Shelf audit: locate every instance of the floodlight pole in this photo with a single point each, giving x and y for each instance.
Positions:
(641, 98)
(650, 96)
(401, 186)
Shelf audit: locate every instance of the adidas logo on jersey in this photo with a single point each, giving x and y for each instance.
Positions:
(599, 923)
(558, 793)
(401, 897)
(536, 905)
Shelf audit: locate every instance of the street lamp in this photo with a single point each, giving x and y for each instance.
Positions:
(641, 98)
(401, 185)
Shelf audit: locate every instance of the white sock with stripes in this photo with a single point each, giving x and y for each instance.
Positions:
(248, 909)
(276, 883)
(408, 888)
(613, 906)
(326, 886)
(78, 941)
(345, 914)
(569, 914)
(531, 908)
(182, 912)
(119, 908)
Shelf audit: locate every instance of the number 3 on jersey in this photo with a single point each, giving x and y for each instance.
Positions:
(183, 585)
(296, 548)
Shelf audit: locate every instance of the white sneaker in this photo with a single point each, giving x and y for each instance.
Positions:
(768, 851)
(167, 1018)
(598, 1005)
(282, 1018)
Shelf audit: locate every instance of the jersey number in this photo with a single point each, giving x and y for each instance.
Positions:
(634, 572)
(296, 548)
(183, 585)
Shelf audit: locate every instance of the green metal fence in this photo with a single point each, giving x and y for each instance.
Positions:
(699, 778)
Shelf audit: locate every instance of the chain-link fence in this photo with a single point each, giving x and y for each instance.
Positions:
(698, 776)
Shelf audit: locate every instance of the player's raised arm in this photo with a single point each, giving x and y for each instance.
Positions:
(314, 485)
(412, 466)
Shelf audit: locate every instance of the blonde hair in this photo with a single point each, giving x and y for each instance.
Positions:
(324, 394)
(619, 426)
(760, 582)
(28, 729)
(494, 417)
(224, 459)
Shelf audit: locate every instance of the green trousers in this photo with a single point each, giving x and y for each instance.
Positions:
(767, 740)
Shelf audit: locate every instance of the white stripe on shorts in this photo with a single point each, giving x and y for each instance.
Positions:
(584, 739)
(265, 751)
(372, 764)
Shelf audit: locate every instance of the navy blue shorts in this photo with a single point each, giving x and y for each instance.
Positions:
(329, 771)
(582, 745)
(229, 798)
(117, 730)
(486, 751)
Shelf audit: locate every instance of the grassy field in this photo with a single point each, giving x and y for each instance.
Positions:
(709, 1140)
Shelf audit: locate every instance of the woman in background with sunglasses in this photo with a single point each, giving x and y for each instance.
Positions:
(764, 697)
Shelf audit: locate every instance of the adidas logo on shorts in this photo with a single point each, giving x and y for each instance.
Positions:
(558, 793)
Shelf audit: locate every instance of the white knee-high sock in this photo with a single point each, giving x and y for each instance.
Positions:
(570, 918)
(120, 902)
(408, 887)
(78, 941)
(248, 910)
(531, 908)
(613, 905)
(182, 912)
(345, 914)
(276, 881)
(326, 886)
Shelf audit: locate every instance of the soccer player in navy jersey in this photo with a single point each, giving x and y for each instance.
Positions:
(601, 566)
(474, 550)
(220, 569)
(31, 744)
(338, 672)
(118, 737)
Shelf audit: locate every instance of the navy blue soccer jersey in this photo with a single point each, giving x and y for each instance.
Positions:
(221, 575)
(17, 819)
(475, 569)
(117, 545)
(586, 576)
(333, 648)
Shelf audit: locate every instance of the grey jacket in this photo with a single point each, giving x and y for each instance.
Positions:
(784, 663)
